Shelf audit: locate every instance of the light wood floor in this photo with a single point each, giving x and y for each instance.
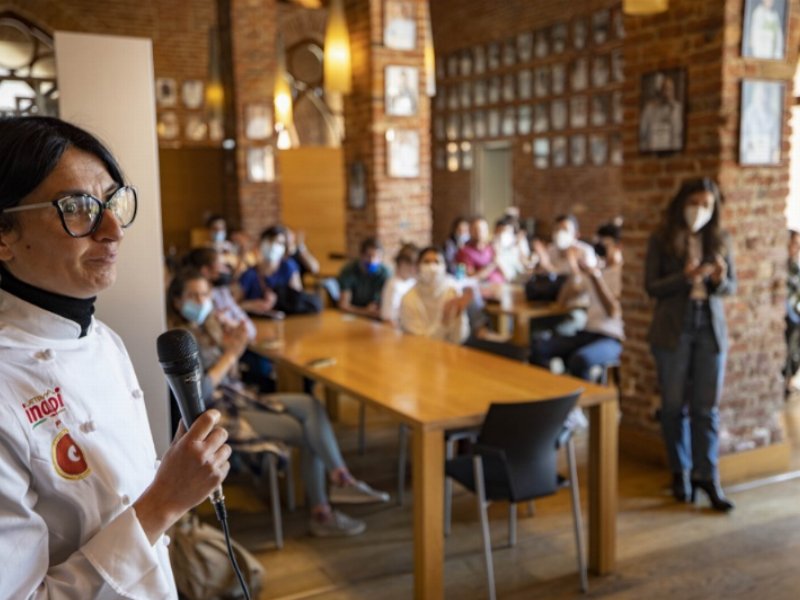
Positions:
(665, 550)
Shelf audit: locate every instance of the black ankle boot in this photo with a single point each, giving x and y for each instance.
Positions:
(680, 486)
(715, 494)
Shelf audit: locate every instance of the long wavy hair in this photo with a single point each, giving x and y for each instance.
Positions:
(674, 231)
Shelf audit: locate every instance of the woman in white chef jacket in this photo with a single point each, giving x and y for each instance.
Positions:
(83, 502)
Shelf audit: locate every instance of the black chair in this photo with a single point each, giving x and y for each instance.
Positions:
(514, 460)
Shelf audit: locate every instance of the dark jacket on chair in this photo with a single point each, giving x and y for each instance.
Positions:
(664, 280)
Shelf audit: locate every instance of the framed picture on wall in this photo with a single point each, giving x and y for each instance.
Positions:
(558, 114)
(525, 84)
(558, 78)
(466, 156)
(541, 81)
(479, 60)
(479, 123)
(466, 94)
(257, 121)
(615, 149)
(479, 90)
(558, 38)
(617, 67)
(168, 126)
(617, 113)
(598, 149)
(493, 125)
(764, 32)
(579, 75)
(402, 147)
(357, 184)
(453, 127)
(509, 93)
(439, 158)
(192, 92)
(494, 90)
(467, 129)
(577, 150)
(493, 56)
(542, 46)
(761, 127)
(618, 22)
(509, 52)
(509, 125)
(541, 118)
(600, 110)
(465, 62)
(578, 112)
(541, 153)
(399, 24)
(196, 128)
(558, 150)
(600, 71)
(166, 92)
(524, 120)
(260, 164)
(525, 46)
(579, 33)
(661, 116)
(439, 133)
(601, 21)
(452, 65)
(402, 91)
(452, 157)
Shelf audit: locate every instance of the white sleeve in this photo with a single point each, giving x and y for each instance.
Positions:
(388, 312)
(413, 318)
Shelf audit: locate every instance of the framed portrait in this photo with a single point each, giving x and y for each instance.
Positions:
(558, 114)
(615, 149)
(453, 127)
(479, 91)
(541, 118)
(617, 66)
(216, 128)
(494, 90)
(541, 85)
(577, 150)
(558, 151)
(466, 94)
(558, 38)
(439, 132)
(196, 129)
(261, 164)
(357, 184)
(452, 65)
(192, 93)
(558, 78)
(509, 52)
(525, 46)
(466, 156)
(598, 149)
(465, 63)
(399, 24)
(601, 106)
(541, 153)
(579, 75)
(493, 56)
(618, 23)
(493, 123)
(452, 157)
(764, 32)
(580, 32)
(761, 127)
(402, 90)
(467, 130)
(600, 71)
(166, 92)
(439, 158)
(578, 112)
(479, 123)
(661, 112)
(453, 97)
(542, 46)
(601, 23)
(168, 127)
(509, 93)
(617, 113)
(257, 121)
(440, 102)
(525, 84)
(479, 60)
(509, 124)
(524, 119)
(402, 147)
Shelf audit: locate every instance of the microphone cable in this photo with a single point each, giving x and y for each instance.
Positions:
(218, 502)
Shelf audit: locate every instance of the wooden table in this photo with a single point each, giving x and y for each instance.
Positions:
(433, 386)
(521, 311)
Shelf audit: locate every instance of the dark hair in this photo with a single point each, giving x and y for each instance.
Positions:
(674, 231)
(428, 249)
(570, 218)
(270, 233)
(175, 290)
(609, 230)
(406, 255)
(368, 244)
(456, 222)
(506, 221)
(793, 233)
(31, 147)
(199, 258)
(215, 217)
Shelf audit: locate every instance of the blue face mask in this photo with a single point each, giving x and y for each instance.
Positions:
(196, 313)
(218, 236)
(372, 267)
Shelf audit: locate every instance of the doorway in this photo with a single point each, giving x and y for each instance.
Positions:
(492, 190)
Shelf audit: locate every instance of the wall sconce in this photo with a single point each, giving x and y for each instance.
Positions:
(644, 7)
(282, 94)
(337, 51)
(215, 90)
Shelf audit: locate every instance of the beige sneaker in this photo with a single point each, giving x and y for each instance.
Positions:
(356, 492)
(336, 525)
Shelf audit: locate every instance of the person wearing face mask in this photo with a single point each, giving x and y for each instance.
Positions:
(552, 259)
(459, 236)
(507, 250)
(478, 255)
(790, 373)
(688, 269)
(398, 285)
(362, 281)
(296, 419)
(435, 307)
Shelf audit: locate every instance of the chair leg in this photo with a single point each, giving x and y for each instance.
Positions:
(480, 491)
(449, 452)
(402, 461)
(576, 514)
(512, 524)
(272, 468)
(291, 501)
(362, 418)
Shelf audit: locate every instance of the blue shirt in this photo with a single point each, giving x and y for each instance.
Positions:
(253, 285)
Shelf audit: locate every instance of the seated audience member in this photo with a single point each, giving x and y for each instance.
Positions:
(217, 232)
(507, 251)
(297, 250)
(553, 258)
(435, 307)
(459, 235)
(793, 314)
(403, 280)
(600, 341)
(295, 419)
(478, 256)
(245, 251)
(362, 280)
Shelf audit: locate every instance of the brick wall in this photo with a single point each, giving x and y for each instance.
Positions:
(591, 192)
(704, 38)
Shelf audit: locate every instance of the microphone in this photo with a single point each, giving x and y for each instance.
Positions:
(179, 356)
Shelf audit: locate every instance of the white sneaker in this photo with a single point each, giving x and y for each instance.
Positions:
(356, 492)
(336, 525)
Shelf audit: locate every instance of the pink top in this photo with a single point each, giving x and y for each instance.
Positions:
(475, 260)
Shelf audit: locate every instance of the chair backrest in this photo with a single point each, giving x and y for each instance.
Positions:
(527, 433)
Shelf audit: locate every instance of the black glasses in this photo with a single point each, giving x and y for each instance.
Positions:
(81, 214)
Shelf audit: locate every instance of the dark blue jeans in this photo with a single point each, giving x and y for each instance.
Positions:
(580, 352)
(690, 377)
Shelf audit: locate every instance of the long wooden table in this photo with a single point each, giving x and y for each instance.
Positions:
(433, 386)
(512, 304)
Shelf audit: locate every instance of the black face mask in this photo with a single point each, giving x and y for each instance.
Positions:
(223, 280)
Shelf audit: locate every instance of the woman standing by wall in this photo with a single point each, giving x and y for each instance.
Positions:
(689, 268)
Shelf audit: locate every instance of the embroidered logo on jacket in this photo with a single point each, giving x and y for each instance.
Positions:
(68, 458)
(39, 408)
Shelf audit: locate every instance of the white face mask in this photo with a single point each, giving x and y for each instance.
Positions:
(697, 217)
(430, 273)
(563, 239)
(462, 238)
(507, 239)
(272, 252)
